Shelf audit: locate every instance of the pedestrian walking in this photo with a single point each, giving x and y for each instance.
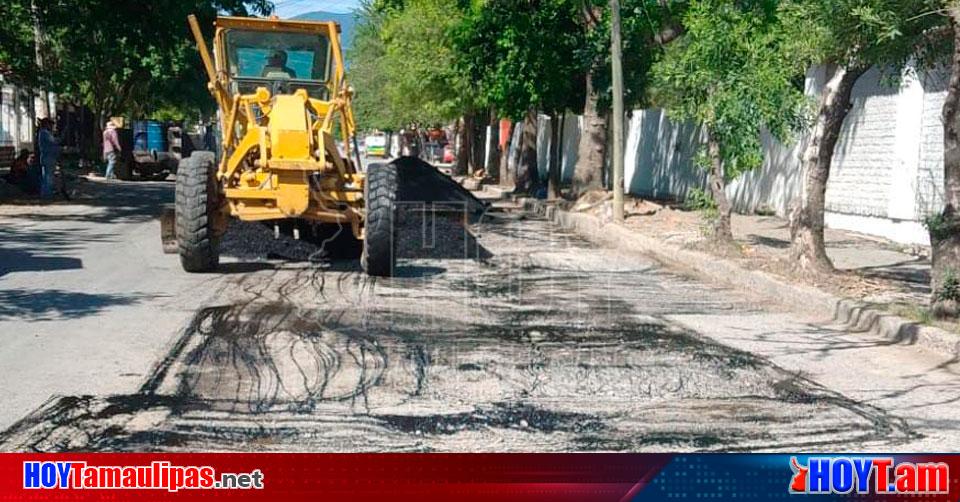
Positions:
(49, 149)
(111, 149)
(209, 139)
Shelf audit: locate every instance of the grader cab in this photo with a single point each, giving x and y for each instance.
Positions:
(283, 105)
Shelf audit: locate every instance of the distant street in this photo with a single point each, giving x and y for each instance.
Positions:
(510, 336)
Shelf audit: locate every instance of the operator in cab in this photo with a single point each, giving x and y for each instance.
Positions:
(276, 66)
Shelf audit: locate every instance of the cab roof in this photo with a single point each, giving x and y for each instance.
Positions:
(277, 25)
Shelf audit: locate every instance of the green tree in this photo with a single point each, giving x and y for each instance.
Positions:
(945, 227)
(404, 69)
(727, 73)
(368, 72)
(17, 62)
(117, 57)
(847, 37)
(422, 81)
(519, 54)
(647, 26)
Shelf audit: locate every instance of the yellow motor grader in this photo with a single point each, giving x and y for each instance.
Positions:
(282, 99)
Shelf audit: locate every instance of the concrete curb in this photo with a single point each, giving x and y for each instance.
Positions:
(854, 315)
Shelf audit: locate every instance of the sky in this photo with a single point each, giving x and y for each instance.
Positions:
(289, 8)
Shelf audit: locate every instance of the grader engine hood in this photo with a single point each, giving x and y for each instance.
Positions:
(290, 145)
(288, 129)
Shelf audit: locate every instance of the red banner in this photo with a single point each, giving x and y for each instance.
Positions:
(292, 477)
(497, 477)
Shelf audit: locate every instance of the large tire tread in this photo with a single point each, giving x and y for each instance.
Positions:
(379, 245)
(197, 241)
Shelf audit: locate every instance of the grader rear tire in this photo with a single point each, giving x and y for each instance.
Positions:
(196, 203)
(379, 243)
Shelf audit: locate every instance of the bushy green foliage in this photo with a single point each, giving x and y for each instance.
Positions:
(949, 287)
(16, 42)
(422, 81)
(367, 72)
(940, 226)
(887, 33)
(698, 199)
(403, 64)
(729, 73)
(118, 57)
(520, 54)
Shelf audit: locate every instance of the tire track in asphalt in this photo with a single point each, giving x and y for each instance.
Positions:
(542, 344)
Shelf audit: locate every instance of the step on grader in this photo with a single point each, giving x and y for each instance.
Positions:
(282, 97)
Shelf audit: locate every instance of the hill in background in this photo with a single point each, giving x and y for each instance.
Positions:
(347, 23)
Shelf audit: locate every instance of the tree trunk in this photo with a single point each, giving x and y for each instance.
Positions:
(32, 113)
(528, 179)
(588, 173)
(507, 176)
(945, 229)
(465, 147)
(98, 127)
(722, 232)
(553, 167)
(477, 140)
(38, 57)
(806, 230)
(17, 143)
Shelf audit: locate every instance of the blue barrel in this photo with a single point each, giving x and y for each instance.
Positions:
(155, 137)
(140, 136)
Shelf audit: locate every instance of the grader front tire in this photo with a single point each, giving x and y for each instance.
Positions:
(379, 243)
(196, 203)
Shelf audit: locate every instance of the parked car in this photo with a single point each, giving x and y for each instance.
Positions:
(376, 145)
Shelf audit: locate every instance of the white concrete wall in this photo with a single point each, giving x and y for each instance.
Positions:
(570, 142)
(929, 190)
(659, 156)
(773, 186)
(15, 118)
(887, 173)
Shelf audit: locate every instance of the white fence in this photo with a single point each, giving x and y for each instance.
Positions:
(17, 118)
(887, 173)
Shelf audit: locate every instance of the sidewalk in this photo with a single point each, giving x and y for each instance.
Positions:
(869, 269)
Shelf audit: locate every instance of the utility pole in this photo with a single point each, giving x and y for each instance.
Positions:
(617, 64)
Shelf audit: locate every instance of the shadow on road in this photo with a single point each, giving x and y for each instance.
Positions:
(27, 247)
(104, 202)
(48, 304)
(17, 260)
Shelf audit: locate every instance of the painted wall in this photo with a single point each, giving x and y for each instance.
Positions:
(886, 176)
(16, 128)
(16, 119)
(569, 143)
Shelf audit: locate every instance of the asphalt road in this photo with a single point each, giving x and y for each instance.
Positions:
(508, 335)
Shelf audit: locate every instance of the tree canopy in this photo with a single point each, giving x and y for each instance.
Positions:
(862, 33)
(729, 73)
(403, 64)
(116, 57)
(520, 54)
(648, 26)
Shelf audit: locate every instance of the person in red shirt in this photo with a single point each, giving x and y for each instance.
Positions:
(111, 148)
